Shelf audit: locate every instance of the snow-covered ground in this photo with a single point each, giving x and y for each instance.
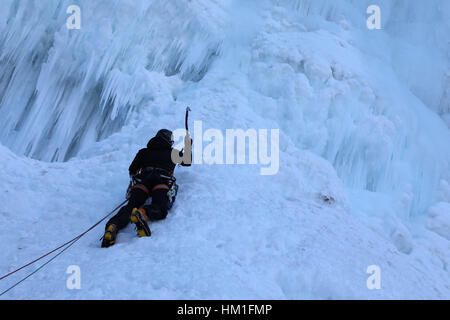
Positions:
(363, 119)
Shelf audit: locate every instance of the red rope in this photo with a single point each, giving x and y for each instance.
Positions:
(65, 244)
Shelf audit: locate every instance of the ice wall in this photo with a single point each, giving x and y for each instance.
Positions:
(367, 101)
(61, 89)
(419, 45)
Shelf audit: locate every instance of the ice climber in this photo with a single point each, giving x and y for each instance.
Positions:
(151, 174)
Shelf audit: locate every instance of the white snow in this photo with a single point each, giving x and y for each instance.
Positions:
(364, 147)
(439, 219)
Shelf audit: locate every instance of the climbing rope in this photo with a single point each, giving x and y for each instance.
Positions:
(67, 245)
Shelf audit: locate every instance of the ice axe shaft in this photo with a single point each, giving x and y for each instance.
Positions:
(186, 118)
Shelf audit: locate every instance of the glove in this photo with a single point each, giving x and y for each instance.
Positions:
(188, 140)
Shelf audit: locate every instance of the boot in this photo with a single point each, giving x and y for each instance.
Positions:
(139, 218)
(109, 238)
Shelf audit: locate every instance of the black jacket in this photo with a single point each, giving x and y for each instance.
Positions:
(158, 154)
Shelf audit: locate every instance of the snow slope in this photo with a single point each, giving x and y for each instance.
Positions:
(222, 240)
(354, 127)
